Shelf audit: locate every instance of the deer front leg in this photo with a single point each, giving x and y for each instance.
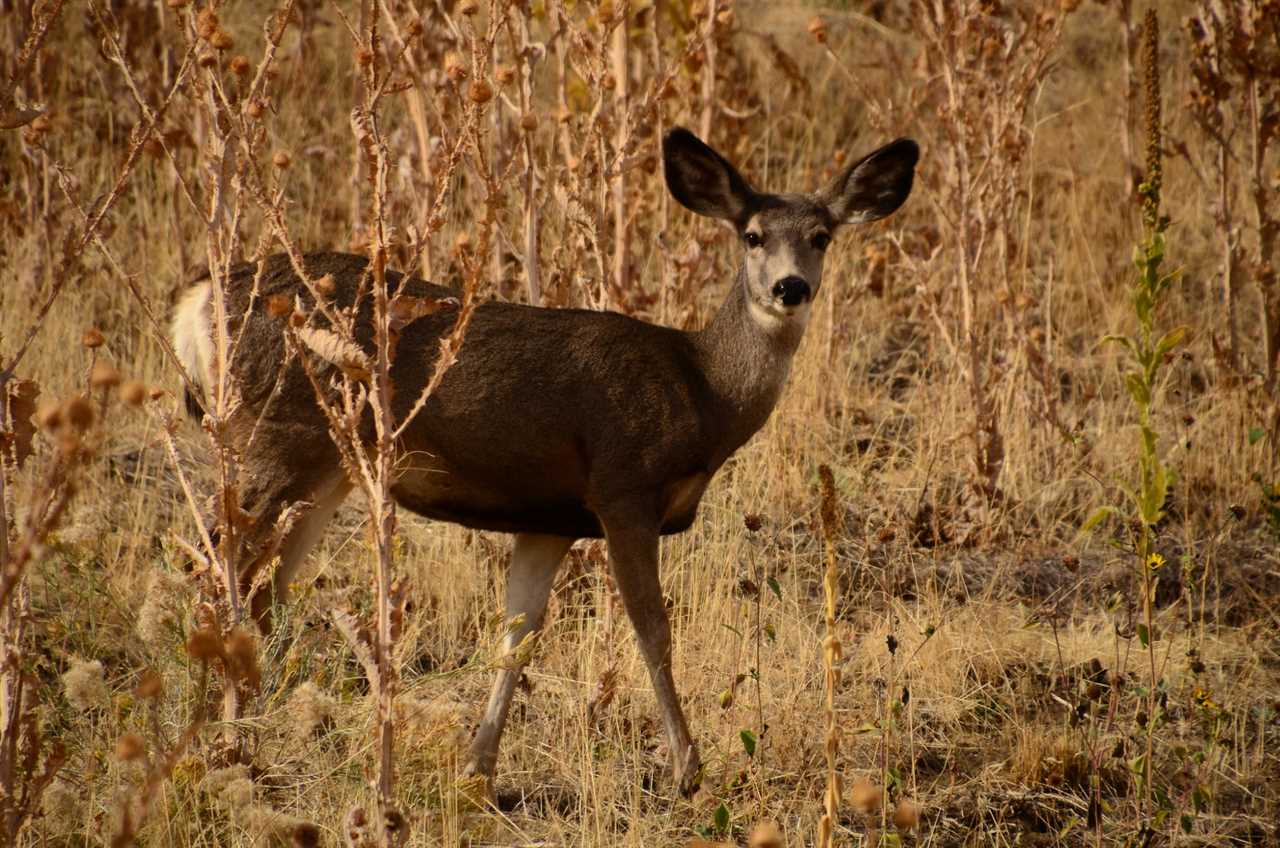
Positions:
(633, 558)
(534, 562)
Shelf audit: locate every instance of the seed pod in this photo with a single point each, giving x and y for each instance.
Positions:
(865, 796)
(204, 645)
(130, 747)
(104, 376)
(528, 122)
(480, 92)
(92, 338)
(281, 159)
(79, 412)
(133, 392)
(221, 40)
(766, 835)
(50, 416)
(149, 685)
(240, 65)
(206, 23)
(454, 67)
(818, 29)
(906, 815)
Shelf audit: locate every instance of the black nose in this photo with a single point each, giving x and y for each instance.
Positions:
(792, 291)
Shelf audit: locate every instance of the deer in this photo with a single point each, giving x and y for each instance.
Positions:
(553, 424)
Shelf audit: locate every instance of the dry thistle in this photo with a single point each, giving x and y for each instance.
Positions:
(865, 797)
(480, 92)
(92, 338)
(205, 645)
(150, 686)
(766, 835)
(84, 686)
(242, 658)
(231, 786)
(270, 826)
(133, 392)
(221, 40)
(281, 159)
(454, 68)
(240, 65)
(49, 416)
(79, 413)
(130, 747)
(818, 29)
(167, 597)
(279, 305)
(906, 815)
(206, 23)
(305, 835)
(104, 376)
(312, 711)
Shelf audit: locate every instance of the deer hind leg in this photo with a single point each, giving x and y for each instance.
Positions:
(633, 559)
(534, 561)
(283, 468)
(298, 542)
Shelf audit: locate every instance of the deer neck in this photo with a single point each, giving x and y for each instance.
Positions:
(746, 358)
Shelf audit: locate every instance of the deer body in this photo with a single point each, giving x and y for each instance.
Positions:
(553, 425)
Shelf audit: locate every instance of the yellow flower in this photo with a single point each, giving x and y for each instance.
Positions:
(1155, 562)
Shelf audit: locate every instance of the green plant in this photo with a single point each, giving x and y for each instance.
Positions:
(1149, 348)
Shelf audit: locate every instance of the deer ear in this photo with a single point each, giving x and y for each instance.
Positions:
(874, 186)
(703, 180)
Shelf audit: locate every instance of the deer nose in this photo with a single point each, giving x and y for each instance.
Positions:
(792, 291)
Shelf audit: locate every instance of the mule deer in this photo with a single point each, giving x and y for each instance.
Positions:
(554, 424)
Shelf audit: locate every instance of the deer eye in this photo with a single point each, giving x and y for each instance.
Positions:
(820, 241)
(753, 239)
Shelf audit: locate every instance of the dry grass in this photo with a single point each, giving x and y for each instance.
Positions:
(997, 605)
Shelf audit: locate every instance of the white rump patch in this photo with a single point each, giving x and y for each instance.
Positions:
(191, 334)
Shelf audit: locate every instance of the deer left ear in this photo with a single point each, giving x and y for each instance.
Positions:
(874, 186)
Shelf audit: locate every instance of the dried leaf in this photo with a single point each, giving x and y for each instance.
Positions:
(20, 396)
(336, 350)
(12, 119)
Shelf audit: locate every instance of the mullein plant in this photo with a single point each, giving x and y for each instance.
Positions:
(1149, 349)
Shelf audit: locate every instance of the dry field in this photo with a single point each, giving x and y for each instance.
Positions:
(1000, 675)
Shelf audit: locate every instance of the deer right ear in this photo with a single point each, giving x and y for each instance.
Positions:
(703, 180)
